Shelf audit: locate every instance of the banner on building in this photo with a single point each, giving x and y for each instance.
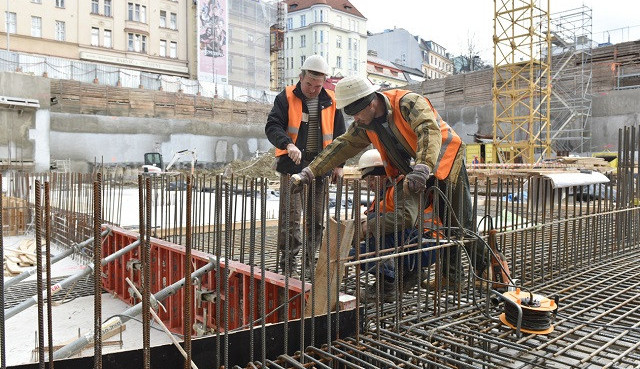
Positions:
(213, 50)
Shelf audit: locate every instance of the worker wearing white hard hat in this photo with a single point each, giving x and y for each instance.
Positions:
(388, 277)
(415, 144)
(304, 119)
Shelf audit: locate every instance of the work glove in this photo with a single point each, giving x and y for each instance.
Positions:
(299, 180)
(294, 153)
(416, 181)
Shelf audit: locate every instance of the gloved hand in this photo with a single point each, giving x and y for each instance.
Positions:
(416, 181)
(299, 180)
(335, 174)
(294, 153)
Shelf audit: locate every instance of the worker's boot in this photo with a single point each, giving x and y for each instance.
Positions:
(410, 280)
(441, 284)
(381, 290)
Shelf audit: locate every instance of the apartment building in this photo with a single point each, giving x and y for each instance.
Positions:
(399, 46)
(436, 62)
(147, 35)
(334, 29)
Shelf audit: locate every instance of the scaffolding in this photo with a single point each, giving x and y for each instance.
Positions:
(571, 46)
(521, 92)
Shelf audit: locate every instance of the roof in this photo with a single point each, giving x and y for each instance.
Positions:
(409, 70)
(380, 61)
(340, 5)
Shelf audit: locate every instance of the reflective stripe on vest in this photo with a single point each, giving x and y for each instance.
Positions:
(296, 117)
(450, 140)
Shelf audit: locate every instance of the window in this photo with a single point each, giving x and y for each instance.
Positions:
(95, 36)
(36, 1)
(95, 6)
(339, 21)
(174, 21)
(355, 44)
(378, 69)
(137, 13)
(11, 21)
(303, 20)
(163, 48)
(137, 43)
(303, 41)
(289, 23)
(291, 62)
(339, 42)
(36, 26)
(60, 31)
(107, 8)
(59, 3)
(163, 18)
(173, 49)
(302, 59)
(338, 61)
(107, 38)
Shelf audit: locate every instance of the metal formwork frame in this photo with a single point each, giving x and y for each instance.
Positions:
(521, 75)
(167, 267)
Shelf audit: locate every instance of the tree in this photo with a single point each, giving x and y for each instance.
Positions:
(470, 61)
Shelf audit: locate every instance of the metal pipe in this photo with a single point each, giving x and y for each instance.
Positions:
(116, 321)
(9, 313)
(31, 271)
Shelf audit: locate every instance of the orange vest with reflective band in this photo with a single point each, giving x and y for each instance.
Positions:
(430, 220)
(325, 115)
(450, 140)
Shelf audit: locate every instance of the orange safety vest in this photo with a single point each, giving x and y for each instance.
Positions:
(430, 220)
(450, 140)
(296, 117)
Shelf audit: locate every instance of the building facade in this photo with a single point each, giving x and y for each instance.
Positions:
(147, 35)
(435, 60)
(401, 47)
(334, 29)
(383, 73)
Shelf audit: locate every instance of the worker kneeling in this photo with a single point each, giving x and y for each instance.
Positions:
(391, 272)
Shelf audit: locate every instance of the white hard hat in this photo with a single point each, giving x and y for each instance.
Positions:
(351, 89)
(369, 161)
(316, 63)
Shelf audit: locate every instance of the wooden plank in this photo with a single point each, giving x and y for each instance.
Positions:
(338, 251)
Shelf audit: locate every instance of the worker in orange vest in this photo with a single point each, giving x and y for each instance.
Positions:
(372, 170)
(414, 142)
(304, 119)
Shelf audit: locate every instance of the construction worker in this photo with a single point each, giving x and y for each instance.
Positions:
(304, 119)
(404, 127)
(372, 170)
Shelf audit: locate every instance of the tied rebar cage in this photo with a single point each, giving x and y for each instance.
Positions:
(362, 301)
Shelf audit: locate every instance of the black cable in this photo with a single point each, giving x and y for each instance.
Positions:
(533, 320)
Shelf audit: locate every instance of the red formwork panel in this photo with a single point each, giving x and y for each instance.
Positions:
(167, 267)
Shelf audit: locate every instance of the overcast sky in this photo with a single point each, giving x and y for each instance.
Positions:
(451, 22)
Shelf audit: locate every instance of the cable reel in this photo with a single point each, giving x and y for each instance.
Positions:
(528, 312)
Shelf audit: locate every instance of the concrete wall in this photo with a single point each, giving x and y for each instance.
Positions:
(613, 110)
(21, 129)
(86, 138)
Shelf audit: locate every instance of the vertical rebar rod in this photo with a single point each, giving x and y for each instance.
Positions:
(227, 256)
(38, 221)
(145, 282)
(3, 346)
(263, 294)
(47, 225)
(97, 272)
(187, 280)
